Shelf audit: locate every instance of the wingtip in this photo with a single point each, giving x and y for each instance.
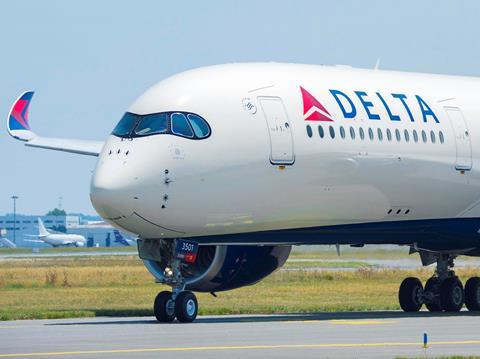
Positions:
(17, 121)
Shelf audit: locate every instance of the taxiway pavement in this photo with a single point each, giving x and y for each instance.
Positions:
(336, 335)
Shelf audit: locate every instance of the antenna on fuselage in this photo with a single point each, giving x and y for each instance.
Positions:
(377, 64)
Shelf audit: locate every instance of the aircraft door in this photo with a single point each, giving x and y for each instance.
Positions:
(279, 129)
(462, 138)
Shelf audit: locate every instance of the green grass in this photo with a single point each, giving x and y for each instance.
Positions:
(121, 286)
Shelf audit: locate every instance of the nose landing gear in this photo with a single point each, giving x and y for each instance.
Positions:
(443, 291)
(179, 303)
(184, 307)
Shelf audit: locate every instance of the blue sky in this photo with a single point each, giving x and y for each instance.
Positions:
(88, 60)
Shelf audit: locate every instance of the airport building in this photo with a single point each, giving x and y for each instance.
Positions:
(96, 232)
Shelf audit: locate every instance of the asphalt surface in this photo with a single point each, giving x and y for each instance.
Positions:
(321, 335)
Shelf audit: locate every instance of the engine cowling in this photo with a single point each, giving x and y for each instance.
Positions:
(219, 268)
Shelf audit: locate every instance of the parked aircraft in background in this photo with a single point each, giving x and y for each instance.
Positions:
(57, 239)
(121, 239)
(220, 170)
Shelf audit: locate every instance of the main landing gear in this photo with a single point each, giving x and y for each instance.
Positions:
(443, 291)
(179, 303)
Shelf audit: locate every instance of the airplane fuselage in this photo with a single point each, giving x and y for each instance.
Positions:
(296, 147)
(58, 240)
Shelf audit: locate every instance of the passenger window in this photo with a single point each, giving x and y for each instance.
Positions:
(320, 131)
(370, 134)
(362, 133)
(424, 136)
(309, 131)
(180, 125)
(432, 136)
(332, 132)
(352, 133)
(440, 136)
(380, 134)
(389, 134)
(407, 135)
(152, 124)
(199, 125)
(415, 136)
(342, 132)
(397, 135)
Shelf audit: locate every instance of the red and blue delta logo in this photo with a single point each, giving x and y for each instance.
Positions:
(396, 106)
(313, 110)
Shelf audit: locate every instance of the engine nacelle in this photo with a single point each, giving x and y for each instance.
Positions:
(217, 268)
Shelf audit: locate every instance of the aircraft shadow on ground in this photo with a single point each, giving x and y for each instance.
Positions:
(320, 316)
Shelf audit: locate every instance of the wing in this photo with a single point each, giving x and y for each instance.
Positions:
(34, 240)
(19, 128)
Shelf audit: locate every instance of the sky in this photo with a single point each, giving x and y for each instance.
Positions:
(88, 60)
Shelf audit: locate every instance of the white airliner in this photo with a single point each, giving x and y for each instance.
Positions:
(57, 239)
(246, 160)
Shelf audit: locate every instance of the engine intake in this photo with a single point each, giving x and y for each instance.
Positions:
(217, 268)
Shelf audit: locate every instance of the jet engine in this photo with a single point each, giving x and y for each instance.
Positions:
(217, 267)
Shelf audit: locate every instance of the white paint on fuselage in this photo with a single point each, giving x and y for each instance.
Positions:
(58, 240)
(226, 184)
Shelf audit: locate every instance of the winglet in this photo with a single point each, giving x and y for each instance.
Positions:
(17, 121)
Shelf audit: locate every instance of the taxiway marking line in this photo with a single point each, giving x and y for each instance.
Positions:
(241, 347)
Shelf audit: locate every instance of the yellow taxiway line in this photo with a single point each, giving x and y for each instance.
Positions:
(241, 347)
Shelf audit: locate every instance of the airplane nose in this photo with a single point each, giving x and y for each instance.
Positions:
(111, 192)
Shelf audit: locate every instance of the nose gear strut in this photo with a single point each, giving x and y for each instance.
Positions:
(179, 303)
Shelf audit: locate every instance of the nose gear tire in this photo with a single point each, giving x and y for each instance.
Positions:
(163, 307)
(186, 307)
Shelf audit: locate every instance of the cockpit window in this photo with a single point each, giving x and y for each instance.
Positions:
(183, 124)
(125, 126)
(199, 126)
(180, 125)
(152, 124)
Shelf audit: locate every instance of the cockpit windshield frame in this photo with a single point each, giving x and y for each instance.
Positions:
(130, 122)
